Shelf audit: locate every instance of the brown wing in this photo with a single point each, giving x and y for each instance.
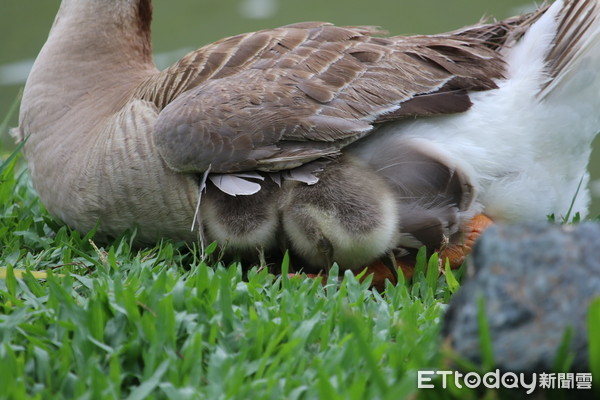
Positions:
(276, 99)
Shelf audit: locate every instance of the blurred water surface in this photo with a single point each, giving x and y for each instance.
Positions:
(183, 25)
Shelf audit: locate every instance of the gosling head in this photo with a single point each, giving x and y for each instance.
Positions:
(350, 216)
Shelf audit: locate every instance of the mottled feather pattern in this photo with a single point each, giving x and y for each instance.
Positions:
(233, 103)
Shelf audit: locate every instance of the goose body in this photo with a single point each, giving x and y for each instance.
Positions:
(412, 136)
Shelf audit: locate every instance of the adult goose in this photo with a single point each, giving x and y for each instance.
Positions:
(339, 142)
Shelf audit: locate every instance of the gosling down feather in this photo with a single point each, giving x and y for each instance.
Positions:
(337, 142)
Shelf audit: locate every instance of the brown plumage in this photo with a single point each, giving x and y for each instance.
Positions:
(276, 99)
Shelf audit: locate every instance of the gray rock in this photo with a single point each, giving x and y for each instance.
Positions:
(536, 279)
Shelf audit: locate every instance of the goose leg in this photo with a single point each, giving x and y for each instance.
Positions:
(382, 269)
(390, 262)
(325, 247)
(457, 252)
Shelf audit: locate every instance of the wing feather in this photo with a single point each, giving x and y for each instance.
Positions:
(277, 99)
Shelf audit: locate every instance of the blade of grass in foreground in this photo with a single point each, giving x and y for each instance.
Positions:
(564, 355)
(451, 280)
(432, 272)
(11, 111)
(19, 273)
(421, 263)
(12, 156)
(485, 337)
(594, 340)
(568, 216)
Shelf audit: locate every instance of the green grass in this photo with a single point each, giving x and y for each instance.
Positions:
(81, 320)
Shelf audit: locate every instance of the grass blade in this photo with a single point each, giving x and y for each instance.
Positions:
(593, 327)
(451, 280)
(143, 391)
(485, 337)
(20, 273)
(433, 272)
(568, 216)
(11, 111)
(564, 354)
(421, 263)
(12, 156)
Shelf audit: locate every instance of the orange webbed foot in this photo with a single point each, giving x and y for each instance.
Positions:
(457, 252)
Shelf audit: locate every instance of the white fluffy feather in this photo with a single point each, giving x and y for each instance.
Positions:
(525, 150)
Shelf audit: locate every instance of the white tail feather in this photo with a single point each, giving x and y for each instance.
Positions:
(526, 145)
